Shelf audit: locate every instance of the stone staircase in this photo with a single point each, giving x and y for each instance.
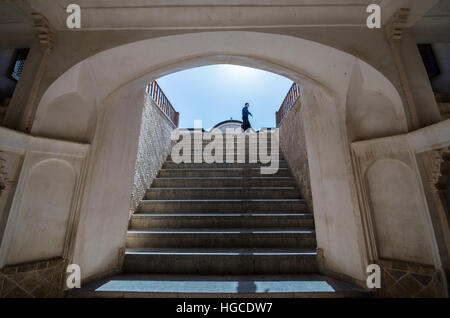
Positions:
(221, 219)
(212, 225)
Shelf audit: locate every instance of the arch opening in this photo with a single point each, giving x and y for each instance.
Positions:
(113, 83)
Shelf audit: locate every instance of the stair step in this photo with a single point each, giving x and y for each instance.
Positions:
(234, 159)
(223, 206)
(230, 144)
(220, 172)
(231, 150)
(189, 286)
(235, 141)
(246, 152)
(220, 261)
(230, 220)
(221, 238)
(224, 182)
(222, 193)
(174, 165)
(222, 219)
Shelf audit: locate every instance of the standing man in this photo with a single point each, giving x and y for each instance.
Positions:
(245, 123)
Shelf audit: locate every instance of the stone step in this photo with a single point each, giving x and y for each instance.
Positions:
(222, 193)
(224, 182)
(222, 221)
(220, 261)
(225, 151)
(246, 158)
(221, 238)
(233, 139)
(235, 143)
(218, 286)
(220, 172)
(223, 206)
(235, 151)
(183, 165)
(230, 151)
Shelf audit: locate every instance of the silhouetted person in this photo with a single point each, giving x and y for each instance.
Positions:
(245, 123)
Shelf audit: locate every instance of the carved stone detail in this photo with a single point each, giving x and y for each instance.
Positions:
(44, 30)
(395, 27)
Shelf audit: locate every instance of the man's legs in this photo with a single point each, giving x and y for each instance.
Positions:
(245, 124)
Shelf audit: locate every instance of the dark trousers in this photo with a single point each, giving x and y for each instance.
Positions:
(245, 123)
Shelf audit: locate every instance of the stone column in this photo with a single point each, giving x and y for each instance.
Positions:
(394, 31)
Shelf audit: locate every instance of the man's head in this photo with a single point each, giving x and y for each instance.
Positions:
(247, 105)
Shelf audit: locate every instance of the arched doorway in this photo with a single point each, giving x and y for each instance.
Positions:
(109, 88)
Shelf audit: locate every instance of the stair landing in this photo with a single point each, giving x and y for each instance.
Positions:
(210, 286)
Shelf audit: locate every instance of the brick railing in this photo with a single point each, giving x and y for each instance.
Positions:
(162, 102)
(289, 101)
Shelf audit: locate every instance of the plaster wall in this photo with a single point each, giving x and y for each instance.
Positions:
(108, 189)
(38, 223)
(396, 212)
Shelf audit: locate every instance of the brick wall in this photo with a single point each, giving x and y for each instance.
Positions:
(41, 279)
(401, 279)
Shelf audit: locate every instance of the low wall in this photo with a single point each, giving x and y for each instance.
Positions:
(39, 202)
(293, 146)
(154, 147)
(405, 220)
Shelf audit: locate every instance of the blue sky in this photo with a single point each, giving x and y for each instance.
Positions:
(218, 92)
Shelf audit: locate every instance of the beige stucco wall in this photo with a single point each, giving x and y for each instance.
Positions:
(43, 198)
(108, 187)
(393, 186)
(109, 90)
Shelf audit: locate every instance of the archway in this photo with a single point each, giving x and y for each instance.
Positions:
(111, 86)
